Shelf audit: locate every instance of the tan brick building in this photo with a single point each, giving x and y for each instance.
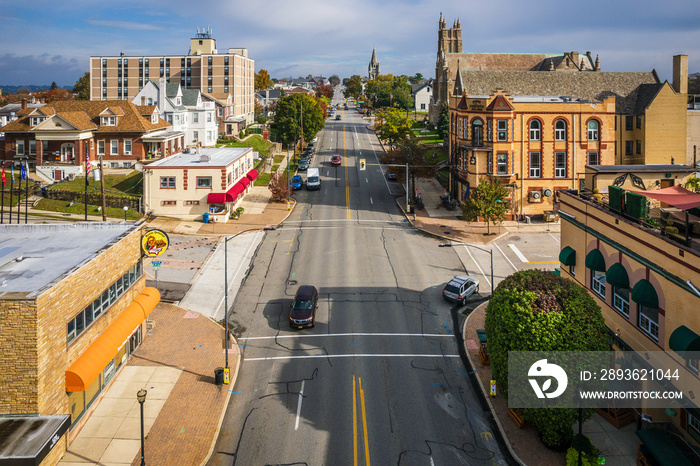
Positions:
(72, 311)
(214, 72)
(648, 287)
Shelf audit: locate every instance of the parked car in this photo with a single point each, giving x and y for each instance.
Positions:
(391, 176)
(304, 164)
(337, 117)
(335, 160)
(302, 311)
(297, 182)
(460, 288)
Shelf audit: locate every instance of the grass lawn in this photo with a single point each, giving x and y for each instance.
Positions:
(79, 208)
(263, 179)
(256, 142)
(279, 158)
(116, 185)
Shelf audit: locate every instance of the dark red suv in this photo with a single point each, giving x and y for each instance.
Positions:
(303, 309)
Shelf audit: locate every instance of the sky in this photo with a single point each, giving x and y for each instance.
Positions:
(45, 41)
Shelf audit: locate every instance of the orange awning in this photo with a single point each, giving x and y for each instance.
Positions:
(95, 358)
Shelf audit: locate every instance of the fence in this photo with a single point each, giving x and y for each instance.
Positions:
(94, 198)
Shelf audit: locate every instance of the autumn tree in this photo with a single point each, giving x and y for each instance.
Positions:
(82, 87)
(296, 113)
(279, 187)
(326, 91)
(334, 80)
(353, 86)
(262, 80)
(486, 201)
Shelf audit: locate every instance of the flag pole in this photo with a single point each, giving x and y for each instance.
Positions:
(2, 202)
(19, 191)
(87, 175)
(12, 185)
(26, 193)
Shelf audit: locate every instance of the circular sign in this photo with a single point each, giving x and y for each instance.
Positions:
(154, 243)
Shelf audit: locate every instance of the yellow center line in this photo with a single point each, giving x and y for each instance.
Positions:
(364, 421)
(354, 421)
(347, 181)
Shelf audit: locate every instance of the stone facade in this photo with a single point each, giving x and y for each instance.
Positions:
(373, 67)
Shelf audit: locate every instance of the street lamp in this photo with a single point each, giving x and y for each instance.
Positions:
(125, 209)
(490, 251)
(141, 396)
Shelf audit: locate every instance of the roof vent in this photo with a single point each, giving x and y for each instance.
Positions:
(204, 158)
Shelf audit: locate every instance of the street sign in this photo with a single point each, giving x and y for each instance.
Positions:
(156, 264)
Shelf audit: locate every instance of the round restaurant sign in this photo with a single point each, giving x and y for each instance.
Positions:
(154, 243)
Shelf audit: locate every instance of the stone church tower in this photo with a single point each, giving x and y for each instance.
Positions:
(373, 68)
(449, 41)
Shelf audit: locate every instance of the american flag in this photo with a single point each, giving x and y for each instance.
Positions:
(4, 180)
(87, 161)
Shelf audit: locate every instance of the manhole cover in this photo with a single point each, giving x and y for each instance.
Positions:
(292, 282)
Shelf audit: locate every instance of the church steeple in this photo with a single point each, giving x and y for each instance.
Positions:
(373, 68)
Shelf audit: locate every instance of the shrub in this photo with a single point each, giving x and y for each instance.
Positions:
(671, 230)
(236, 214)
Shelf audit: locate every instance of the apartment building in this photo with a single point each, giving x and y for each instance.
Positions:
(204, 67)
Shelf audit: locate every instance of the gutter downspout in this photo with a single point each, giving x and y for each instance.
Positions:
(522, 163)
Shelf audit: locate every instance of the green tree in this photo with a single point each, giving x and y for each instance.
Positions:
(288, 117)
(486, 201)
(54, 86)
(693, 184)
(262, 80)
(694, 83)
(443, 124)
(334, 80)
(353, 86)
(392, 125)
(416, 79)
(536, 310)
(389, 91)
(82, 87)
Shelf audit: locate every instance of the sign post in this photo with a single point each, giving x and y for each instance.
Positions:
(156, 266)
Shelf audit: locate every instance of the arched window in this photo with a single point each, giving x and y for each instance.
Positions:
(535, 130)
(593, 130)
(477, 133)
(560, 130)
(466, 128)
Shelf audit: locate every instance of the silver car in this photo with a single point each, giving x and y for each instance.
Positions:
(460, 288)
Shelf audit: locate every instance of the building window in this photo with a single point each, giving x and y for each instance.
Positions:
(104, 62)
(621, 300)
(649, 321)
(32, 147)
(502, 130)
(572, 270)
(598, 283)
(226, 90)
(502, 164)
(560, 130)
(629, 122)
(167, 182)
(20, 148)
(209, 89)
(535, 165)
(168, 203)
(209, 136)
(191, 202)
(208, 117)
(560, 164)
(629, 147)
(195, 136)
(195, 117)
(229, 178)
(639, 147)
(127, 146)
(204, 181)
(477, 133)
(489, 163)
(422, 106)
(592, 130)
(114, 147)
(109, 121)
(535, 130)
(639, 122)
(101, 147)
(87, 316)
(593, 158)
(694, 366)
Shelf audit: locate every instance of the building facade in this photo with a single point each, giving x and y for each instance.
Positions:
(203, 183)
(648, 287)
(73, 312)
(205, 68)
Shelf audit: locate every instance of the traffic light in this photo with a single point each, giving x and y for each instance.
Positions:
(362, 164)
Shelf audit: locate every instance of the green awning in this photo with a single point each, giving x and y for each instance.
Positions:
(567, 256)
(595, 261)
(617, 276)
(683, 339)
(662, 448)
(644, 293)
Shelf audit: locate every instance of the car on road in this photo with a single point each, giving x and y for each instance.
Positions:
(391, 176)
(297, 182)
(335, 160)
(337, 117)
(302, 311)
(460, 288)
(304, 164)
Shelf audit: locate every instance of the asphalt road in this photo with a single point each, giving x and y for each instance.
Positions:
(379, 379)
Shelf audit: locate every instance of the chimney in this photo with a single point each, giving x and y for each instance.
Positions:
(574, 57)
(680, 73)
(143, 100)
(24, 104)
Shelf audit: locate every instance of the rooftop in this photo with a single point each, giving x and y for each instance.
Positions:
(54, 250)
(220, 157)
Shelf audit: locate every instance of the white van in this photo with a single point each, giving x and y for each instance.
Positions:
(313, 179)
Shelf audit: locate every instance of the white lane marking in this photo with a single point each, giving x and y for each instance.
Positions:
(370, 200)
(517, 252)
(478, 266)
(233, 280)
(504, 255)
(354, 220)
(318, 356)
(301, 395)
(425, 335)
(366, 180)
(555, 238)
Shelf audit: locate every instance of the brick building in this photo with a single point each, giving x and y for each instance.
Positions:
(72, 312)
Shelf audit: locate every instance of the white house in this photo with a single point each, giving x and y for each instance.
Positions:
(422, 93)
(185, 109)
(199, 183)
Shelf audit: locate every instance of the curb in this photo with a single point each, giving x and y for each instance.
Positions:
(487, 396)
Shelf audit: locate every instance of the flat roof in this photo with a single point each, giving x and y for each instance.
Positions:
(40, 254)
(217, 157)
(670, 168)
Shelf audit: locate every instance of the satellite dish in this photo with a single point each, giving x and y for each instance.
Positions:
(547, 192)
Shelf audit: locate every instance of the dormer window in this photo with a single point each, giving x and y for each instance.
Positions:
(150, 101)
(109, 121)
(154, 118)
(37, 120)
(178, 101)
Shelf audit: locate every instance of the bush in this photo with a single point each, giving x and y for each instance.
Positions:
(236, 214)
(671, 230)
(589, 455)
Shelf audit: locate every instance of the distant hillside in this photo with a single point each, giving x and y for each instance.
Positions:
(29, 87)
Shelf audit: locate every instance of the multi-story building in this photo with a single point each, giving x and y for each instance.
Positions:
(537, 131)
(647, 282)
(73, 310)
(204, 68)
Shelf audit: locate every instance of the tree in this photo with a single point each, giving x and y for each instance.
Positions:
(334, 80)
(53, 85)
(389, 91)
(416, 79)
(279, 186)
(692, 184)
(288, 117)
(326, 91)
(486, 201)
(392, 125)
(353, 86)
(262, 80)
(82, 87)
(411, 153)
(536, 310)
(694, 83)
(443, 124)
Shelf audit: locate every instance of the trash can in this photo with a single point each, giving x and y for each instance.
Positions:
(205, 217)
(219, 376)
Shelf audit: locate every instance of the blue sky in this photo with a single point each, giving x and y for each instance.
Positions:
(52, 41)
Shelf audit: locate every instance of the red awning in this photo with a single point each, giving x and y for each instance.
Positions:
(252, 174)
(677, 196)
(245, 181)
(229, 196)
